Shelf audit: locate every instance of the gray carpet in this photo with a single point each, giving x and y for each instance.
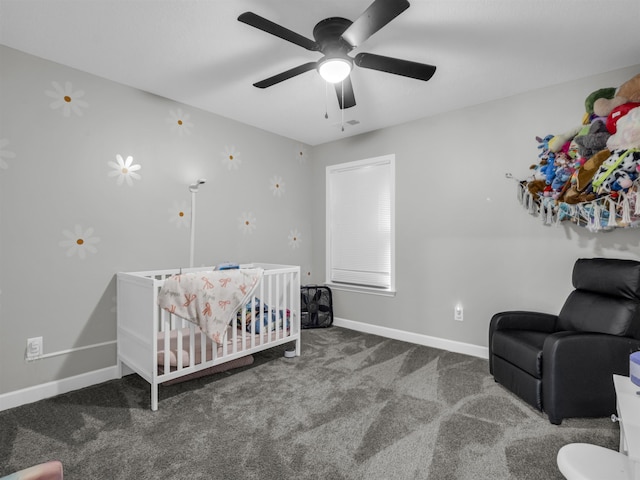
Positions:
(354, 406)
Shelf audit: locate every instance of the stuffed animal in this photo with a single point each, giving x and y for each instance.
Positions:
(572, 150)
(619, 161)
(603, 106)
(630, 89)
(543, 144)
(606, 93)
(617, 114)
(549, 169)
(594, 141)
(628, 92)
(585, 174)
(627, 132)
(558, 141)
(623, 180)
(563, 174)
(536, 187)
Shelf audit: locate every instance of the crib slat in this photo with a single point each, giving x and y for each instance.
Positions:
(253, 321)
(192, 344)
(167, 334)
(203, 347)
(179, 348)
(225, 348)
(268, 328)
(234, 334)
(243, 326)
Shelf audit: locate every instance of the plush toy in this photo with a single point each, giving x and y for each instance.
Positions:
(585, 174)
(572, 196)
(623, 180)
(606, 93)
(594, 141)
(617, 114)
(630, 89)
(558, 141)
(627, 132)
(603, 106)
(572, 150)
(563, 174)
(619, 161)
(536, 187)
(549, 169)
(543, 144)
(628, 92)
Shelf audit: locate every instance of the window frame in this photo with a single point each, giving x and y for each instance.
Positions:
(361, 164)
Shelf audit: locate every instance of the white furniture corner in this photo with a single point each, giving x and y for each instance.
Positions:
(582, 461)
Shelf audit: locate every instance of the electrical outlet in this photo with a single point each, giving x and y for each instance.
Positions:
(34, 348)
(458, 313)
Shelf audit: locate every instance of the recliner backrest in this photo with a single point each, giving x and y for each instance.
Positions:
(606, 298)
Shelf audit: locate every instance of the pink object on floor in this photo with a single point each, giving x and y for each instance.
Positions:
(45, 471)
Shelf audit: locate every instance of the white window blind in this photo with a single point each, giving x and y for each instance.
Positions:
(360, 222)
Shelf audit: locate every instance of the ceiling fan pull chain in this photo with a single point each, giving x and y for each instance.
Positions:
(326, 109)
(342, 104)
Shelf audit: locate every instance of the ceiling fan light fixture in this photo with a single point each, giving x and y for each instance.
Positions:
(335, 70)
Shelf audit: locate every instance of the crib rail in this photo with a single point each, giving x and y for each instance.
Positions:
(160, 346)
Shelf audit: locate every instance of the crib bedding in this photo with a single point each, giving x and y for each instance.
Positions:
(209, 299)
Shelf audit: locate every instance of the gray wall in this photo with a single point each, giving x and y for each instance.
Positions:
(54, 175)
(461, 235)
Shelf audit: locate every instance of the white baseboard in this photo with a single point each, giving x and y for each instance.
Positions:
(57, 387)
(426, 340)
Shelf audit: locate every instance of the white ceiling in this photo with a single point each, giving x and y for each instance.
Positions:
(197, 53)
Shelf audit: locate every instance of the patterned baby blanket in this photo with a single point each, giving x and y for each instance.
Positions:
(209, 299)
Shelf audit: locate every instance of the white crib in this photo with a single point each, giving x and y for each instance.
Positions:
(161, 347)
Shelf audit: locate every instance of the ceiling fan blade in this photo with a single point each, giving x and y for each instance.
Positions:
(268, 26)
(419, 71)
(281, 77)
(349, 97)
(379, 13)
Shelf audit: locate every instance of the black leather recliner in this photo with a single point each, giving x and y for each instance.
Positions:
(563, 364)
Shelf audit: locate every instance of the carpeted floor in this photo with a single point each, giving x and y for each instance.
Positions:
(353, 406)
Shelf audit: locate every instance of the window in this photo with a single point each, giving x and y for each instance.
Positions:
(360, 224)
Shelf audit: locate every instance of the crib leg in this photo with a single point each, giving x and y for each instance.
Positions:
(154, 396)
(298, 343)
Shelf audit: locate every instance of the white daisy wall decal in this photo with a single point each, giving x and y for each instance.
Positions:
(79, 242)
(179, 122)
(247, 222)
(5, 154)
(276, 185)
(294, 238)
(124, 170)
(66, 99)
(180, 214)
(231, 158)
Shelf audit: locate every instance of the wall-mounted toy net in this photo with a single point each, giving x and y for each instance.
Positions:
(590, 174)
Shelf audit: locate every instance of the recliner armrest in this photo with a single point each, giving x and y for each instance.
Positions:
(521, 320)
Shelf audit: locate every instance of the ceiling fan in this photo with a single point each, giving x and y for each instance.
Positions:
(335, 37)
